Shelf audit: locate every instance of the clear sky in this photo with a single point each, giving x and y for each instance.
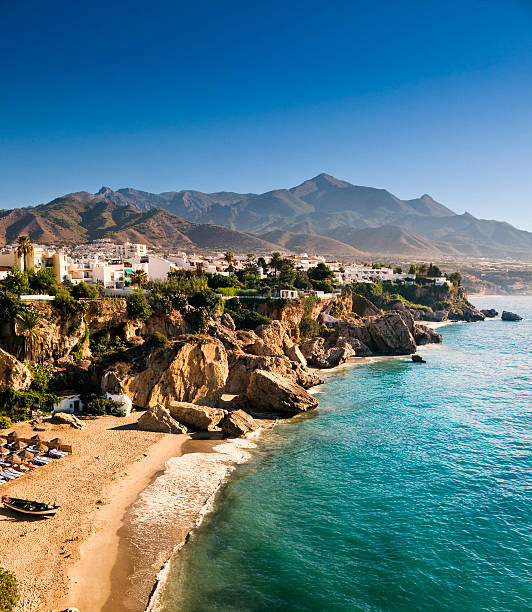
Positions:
(417, 96)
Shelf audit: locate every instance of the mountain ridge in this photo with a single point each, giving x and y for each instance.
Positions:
(327, 211)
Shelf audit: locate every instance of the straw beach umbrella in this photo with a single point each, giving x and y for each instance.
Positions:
(16, 445)
(36, 438)
(4, 452)
(56, 443)
(25, 454)
(40, 447)
(14, 459)
(12, 435)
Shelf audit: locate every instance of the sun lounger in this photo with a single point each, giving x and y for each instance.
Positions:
(15, 473)
(57, 454)
(7, 475)
(41, 461)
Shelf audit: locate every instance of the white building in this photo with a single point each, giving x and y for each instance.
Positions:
(70, 402)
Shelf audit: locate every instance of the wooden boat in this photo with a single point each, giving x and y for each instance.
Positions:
(27, 506)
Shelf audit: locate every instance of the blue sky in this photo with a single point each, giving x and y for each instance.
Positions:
(418, 97)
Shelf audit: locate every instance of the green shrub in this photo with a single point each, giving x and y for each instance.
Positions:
(308, 327)
(5, 422)
(208, 300)
(138, 307)
(198, 319)
(158, 339)
(77, 351)
(9, 595)
(105, 348)
(103, 405)
(64, 303)
(83, 290)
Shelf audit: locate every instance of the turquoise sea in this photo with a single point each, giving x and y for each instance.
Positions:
(411, 489)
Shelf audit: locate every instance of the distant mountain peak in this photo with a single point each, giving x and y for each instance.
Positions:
(104, 190)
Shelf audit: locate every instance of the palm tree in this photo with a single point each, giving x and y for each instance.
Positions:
(28, 322)
(139, 278)
(276, 262)
(24, 250)
(229, 257)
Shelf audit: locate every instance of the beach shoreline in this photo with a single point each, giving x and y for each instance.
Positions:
(133, 471)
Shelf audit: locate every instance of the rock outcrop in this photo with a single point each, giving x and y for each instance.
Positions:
(195, 371)
(490, 313)
(201, 418)
(238, 423)
(270, 392)
(510, 316)
(242, 365)
(13, 373)
(426, 335)
(158, 418)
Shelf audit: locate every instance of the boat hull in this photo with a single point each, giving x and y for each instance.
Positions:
(48, 512)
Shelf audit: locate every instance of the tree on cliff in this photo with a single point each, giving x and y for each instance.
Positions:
(456, 279)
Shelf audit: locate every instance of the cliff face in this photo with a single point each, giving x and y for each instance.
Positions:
(261, 371)
(194, 372)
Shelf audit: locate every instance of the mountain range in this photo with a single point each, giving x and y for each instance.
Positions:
(321, 215)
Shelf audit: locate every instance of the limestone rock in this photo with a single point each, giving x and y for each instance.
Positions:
(294, 354)
(275, 336)
(363, 307)
(64, 418)
(313, 350)
(227, 321)
(510, 316)
(13, 373)
(203, 418)
(194, 371)
(242, 365)
(270, 392)
(158, 418)
(390, 334)
(426, 335)
(238, 423)
(490, 313)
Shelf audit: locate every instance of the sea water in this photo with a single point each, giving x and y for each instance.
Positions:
(410, 489)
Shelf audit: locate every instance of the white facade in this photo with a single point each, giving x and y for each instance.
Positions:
(70, 403)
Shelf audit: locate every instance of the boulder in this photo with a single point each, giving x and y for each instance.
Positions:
(238, 423)
(426, 335)
(390, 334)
(490, 313)
(64, 418)
(294, 354)
(202, 418)
(510, 316)
(418, 359)
(313, 350)
(158, 418)
(227, 321)
(270, 392)
(337, 355)
(13, 373)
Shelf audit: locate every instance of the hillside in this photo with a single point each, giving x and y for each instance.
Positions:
(308, 243)
(74, 220)
(328, 207)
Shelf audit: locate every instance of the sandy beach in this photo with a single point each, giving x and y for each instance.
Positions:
(128, 499)
(112, 462)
